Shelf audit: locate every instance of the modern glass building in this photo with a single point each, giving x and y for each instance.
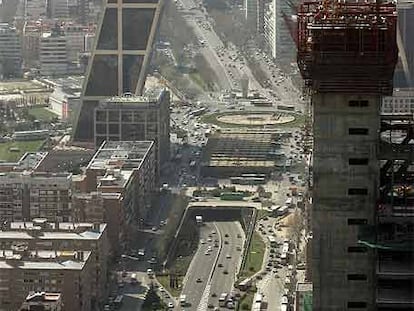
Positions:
(120, 57)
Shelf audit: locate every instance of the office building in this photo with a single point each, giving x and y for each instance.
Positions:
(362, 200)
(41, 234)
(58, 9)
(53, 56)
(117, 188)
(67, 272)
(135, 118)
(121, 54)
(404, 76)
(42, 301)
(35, 9)
(25, 195)
(10, 52)
(277, 35)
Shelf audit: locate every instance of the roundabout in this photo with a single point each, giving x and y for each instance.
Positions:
(251, 119)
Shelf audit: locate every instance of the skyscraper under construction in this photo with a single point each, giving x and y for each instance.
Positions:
(363, 216)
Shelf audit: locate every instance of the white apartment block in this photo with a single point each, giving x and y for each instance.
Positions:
(402, 102)
(10, 51)
(53, 55)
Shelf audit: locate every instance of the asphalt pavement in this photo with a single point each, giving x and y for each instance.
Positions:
(223, 282)
(196, 279)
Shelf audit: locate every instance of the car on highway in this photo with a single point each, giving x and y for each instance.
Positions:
(170, 305)
(228, 256)
(220, 265)
(225, 272)
(226, 235)
(207, 253)
(199, 280)
(226, 242)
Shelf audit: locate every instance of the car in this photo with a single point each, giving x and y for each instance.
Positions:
(154, 228)
(226, 235)
(226, 242)
(220, 265)
(199, 280)
(239, 236)
(216, 245)
(202, 241)
(228, 256)
(269, 264)
(238, 248)
(225, 272)
(209, 240)
(207, 253)
(170, 305)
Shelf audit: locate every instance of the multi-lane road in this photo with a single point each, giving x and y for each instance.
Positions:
(213, 272)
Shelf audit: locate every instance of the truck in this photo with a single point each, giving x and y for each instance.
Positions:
(183, 301)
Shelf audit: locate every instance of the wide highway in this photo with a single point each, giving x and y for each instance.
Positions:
(201, 266)
(229, 260)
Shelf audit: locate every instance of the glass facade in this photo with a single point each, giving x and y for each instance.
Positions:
(103, 77)
(131, 66)
(139, 23)
(108, 37)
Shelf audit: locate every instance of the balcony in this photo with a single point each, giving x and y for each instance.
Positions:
(396, 296)
(395, 265)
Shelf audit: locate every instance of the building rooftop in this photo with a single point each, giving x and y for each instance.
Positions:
(43, 297)
(119, 159)
(41, 229)
(150, 98)
(304, 287)
(43, 260)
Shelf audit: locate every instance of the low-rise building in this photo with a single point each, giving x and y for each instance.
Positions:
(67, 272)
(303, 296)
(42, 301)
(40, 234)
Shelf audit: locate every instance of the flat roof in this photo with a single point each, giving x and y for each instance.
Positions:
(66, 231)
(44, 260)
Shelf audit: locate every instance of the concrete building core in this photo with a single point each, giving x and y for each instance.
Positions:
(120, 57)
(347, 54)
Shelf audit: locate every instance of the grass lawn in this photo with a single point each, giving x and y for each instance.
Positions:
(24, 146)
(42, 114)
(246, 301)
(213, 119)
(165, 282)
(255, 256)
(196, 77)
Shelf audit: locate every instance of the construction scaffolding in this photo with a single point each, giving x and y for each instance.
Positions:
(347, 47)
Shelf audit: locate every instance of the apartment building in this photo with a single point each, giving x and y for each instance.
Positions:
(135, 118)
(41, 234)
(10, 51)
(25, 195)
(117, 187)
(67, 272)
(401, 102)
(42, 301)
